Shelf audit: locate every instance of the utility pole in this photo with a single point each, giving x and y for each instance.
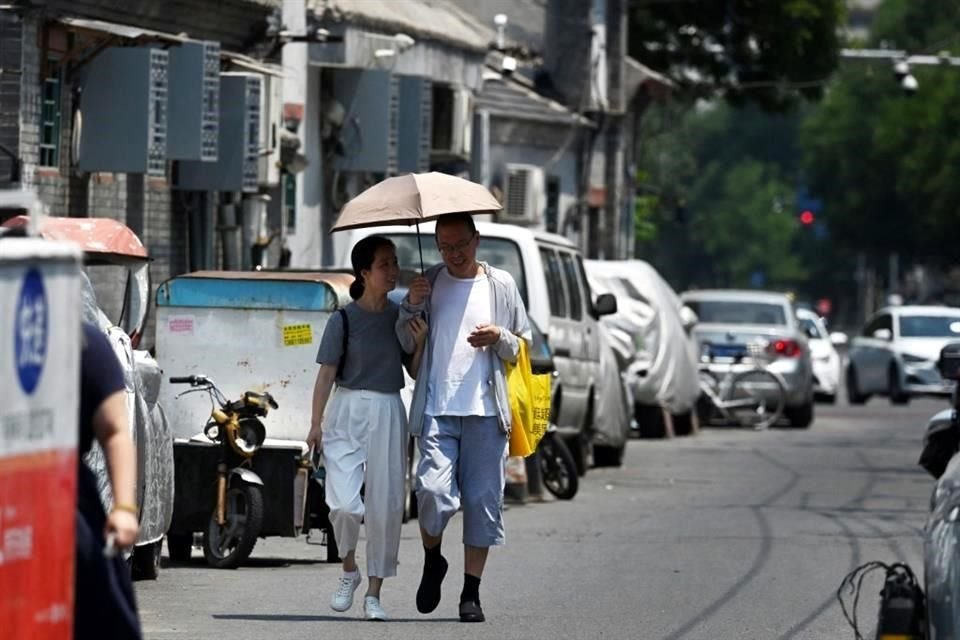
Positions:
(612, 229)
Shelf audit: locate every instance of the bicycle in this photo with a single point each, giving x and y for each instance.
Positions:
(751, 397)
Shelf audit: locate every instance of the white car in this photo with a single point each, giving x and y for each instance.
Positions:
(827, 367)
(896, 354)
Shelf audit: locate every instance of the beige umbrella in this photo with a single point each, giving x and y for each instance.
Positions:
(414, 198)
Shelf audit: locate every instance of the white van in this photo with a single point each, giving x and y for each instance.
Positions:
(549, 272)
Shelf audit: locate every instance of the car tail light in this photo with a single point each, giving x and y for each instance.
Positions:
(785, 348)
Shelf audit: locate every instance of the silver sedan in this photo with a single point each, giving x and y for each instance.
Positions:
(897, 351)
(730, 320)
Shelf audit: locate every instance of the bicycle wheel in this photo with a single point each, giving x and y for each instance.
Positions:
(755, 398)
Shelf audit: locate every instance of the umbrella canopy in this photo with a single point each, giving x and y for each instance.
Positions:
(414, 198)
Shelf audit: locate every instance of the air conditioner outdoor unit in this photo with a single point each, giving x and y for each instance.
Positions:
(524, 196)
(271, 121)
(122, 121)
(368, 137)
(194, 102)
(238, 141)
(415, 124)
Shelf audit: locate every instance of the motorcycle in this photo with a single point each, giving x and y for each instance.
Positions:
(558, 471)
(237, 515)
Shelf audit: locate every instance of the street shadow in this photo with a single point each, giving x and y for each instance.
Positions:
(293, 617)
(249, 563)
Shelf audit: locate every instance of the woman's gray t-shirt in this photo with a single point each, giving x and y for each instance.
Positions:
(374, 355)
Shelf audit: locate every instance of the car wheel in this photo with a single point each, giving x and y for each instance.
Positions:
(800, 417)
(897, 394)
(853, 393)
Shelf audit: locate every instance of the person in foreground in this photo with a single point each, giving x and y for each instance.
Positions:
(105, 605)
(363, 434)
(460, 408)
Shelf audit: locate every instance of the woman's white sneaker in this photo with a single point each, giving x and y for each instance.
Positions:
(372, 608)
(342, 598)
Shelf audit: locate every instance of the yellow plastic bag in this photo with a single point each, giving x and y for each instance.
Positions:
(529, 404)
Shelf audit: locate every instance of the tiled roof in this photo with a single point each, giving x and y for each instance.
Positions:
(506, 98)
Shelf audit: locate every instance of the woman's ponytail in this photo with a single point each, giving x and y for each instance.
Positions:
(356, 288)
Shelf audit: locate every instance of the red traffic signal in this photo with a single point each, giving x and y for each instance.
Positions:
(807, 218)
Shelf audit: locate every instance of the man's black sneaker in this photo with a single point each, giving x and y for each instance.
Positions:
(428, 594)
(470, 611)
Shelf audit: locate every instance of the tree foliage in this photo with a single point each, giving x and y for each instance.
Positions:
(765, 52)
(726, 184)
(885, 163)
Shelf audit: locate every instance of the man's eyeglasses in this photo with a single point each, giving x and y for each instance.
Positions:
(447, 249)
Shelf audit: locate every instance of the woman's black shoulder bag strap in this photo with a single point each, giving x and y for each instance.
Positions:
(346, 336)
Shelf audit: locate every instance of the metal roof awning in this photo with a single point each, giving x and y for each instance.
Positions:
(250, 64)
(101, 28)
(121, 30)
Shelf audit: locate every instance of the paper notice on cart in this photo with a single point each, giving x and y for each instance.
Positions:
(297, 334)
(39, 367)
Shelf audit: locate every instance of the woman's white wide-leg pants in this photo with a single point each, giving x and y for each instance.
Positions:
(364, 446)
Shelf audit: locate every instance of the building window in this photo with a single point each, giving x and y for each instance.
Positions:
(50, 115)
(289, 186)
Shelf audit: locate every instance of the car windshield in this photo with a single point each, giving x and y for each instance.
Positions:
(737, 312)
(810, 328)
(930, 326)
(499, 252)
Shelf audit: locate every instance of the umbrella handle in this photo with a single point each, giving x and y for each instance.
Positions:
(420, 247)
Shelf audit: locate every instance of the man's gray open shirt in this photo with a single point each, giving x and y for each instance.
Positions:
(506, 311)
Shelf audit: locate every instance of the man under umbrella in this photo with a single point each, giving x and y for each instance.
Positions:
(460, 408)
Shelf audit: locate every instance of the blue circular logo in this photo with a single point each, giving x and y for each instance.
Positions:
(30, 330)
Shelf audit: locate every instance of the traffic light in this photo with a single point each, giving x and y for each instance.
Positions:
(807, 218)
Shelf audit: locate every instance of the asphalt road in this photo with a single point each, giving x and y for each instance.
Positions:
(727, 534)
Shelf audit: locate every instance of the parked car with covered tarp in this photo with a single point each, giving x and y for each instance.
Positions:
(658, 357)
(114, 256)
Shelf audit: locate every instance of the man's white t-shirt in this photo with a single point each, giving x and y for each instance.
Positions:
(460, 382)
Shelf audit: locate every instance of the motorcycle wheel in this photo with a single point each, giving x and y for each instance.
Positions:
(557, 467)
(228, 546)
